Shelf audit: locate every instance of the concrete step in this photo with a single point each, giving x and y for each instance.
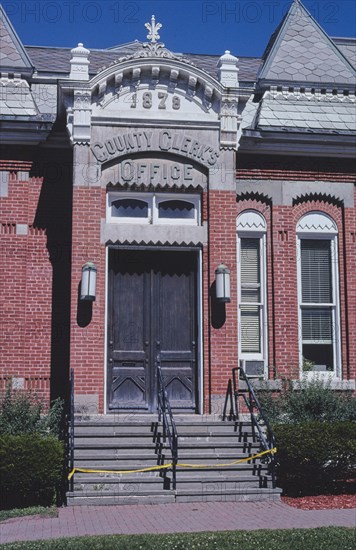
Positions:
(184, 472)
(113, 499)
(147, 439)
(195, 454)
(115, 465)
(107, 426)
(147, 420)
(217, 494)
(210, 494)
(127, 483)
(112, 429)
(206, 443)
(133, 446)
(111, 443)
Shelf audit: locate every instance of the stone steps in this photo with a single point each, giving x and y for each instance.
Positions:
(103, 444)
(127, 483)
(210, 494)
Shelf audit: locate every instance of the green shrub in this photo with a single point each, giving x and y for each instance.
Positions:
(313, 457)
(31, 468)
(312, 400)
(21, 413)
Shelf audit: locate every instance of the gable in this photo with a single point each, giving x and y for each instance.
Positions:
(12, 53)
(303, 53)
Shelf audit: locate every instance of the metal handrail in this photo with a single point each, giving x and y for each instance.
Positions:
(165, 416)
(265, 432)
(71, 429)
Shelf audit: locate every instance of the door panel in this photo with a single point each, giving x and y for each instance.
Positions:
(152, 307)
(128, 376)
(176, 329)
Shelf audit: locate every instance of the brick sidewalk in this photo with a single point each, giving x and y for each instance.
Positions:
(171, 518)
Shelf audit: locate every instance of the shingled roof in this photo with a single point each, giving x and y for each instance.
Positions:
(12, 53)
(301, 52)
(57, 60)
(307, 112)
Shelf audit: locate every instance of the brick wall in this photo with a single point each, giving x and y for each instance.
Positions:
(42, 253)
(220, 330)
(349, 281)
(88, 319)
(25, 284)
(283, 336)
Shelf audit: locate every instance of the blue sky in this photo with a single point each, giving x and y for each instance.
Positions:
(198, 26)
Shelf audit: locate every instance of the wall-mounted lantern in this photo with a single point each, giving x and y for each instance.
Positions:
(222, 281)
(88, 286)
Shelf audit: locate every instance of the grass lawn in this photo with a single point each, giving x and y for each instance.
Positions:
(51, 512)
(328, 538)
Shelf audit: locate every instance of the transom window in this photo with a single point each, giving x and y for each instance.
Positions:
(153, 208)
(176, 209)
(318, 294)
(129, 208)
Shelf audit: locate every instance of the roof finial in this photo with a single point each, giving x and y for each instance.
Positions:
(153, 29)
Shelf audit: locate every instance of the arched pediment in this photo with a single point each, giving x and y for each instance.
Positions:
(316, 222)
(251, 220)
(154, 170)
(153, 88)
(145, 86)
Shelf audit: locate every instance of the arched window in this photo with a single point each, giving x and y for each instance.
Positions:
(153, 208)
(130, 208)
(176, 209)
(318, 294)
(251, 256)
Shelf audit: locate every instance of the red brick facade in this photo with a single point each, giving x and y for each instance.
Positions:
(225, 131)
(28, 328)
(282, 266)
(26, 285)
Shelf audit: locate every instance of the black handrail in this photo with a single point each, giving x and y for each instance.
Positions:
(165, 416)
(71, 429)
(264, 429)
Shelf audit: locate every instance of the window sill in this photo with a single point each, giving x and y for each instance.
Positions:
(276, 385)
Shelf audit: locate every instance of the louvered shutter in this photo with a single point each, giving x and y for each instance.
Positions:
(316, 271)
(250, 261)
(250, 329)
(250, 311)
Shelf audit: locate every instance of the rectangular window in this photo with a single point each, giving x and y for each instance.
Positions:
(318, 304)
(252, 310)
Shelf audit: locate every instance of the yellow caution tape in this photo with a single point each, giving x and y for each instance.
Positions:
(182, 465)
(89, 471)
(170, 465)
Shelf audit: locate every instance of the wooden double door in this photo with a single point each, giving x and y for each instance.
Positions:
(152, 309)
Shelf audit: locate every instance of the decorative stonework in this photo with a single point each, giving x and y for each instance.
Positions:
(250, 220)
(317, 222)
(153, 29)
(79, 117)
(230, 120)
(228, 70)
(79, 63)
(150, 49)
(152, 172)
